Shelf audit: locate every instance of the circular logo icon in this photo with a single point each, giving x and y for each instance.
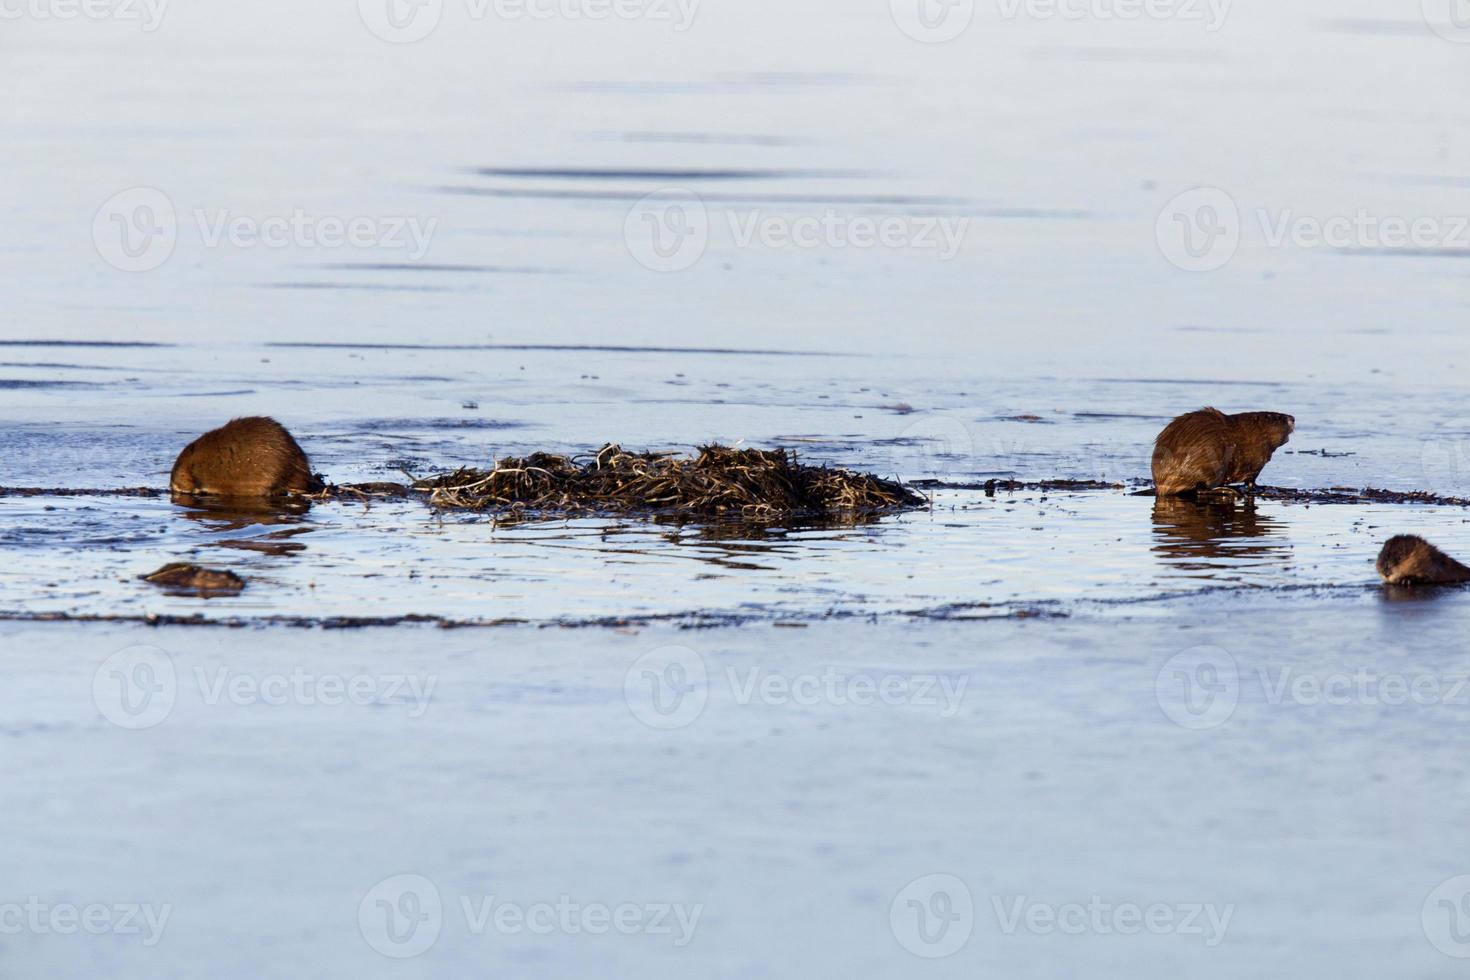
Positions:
(136, 688)
(1450, 19)
(1446, 917)
(1446, 456)
(932, 21)
(943, 443)
(667, 688)
(1199, 231)
(668, 230)
(136, 230)
(933, 916)
(1199, 688)
(401, 916)
(401, 21)
(1115, 459)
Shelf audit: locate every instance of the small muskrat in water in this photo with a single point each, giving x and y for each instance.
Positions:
(182, 577)
(1208, 449)
(249, 457)
(1410, 560)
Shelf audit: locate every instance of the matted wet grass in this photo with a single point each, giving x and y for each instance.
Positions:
(719, 481)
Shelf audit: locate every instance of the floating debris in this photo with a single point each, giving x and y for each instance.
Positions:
(83, 492)
(181, 578)
(751, 484)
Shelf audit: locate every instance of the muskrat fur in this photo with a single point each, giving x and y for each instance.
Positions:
(249, 457)
(1410, 560)
(1208, 449)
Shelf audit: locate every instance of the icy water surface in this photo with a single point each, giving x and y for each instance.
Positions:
(514, 767)
(969, 555)
(431, 408)
(569, 230)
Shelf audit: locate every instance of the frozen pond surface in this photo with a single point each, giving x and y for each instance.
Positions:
(264, 808)
(1191, 709)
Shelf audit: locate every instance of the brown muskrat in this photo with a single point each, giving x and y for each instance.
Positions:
(250, 457)
(182, 577)
(1208, 449)
(1410, 560)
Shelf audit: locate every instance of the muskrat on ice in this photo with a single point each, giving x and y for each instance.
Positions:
(249, 457)
(1208, 449)
(1410, 560)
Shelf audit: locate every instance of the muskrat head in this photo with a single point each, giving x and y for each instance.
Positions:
(1272, 428)
(1410, 560)
(1398, 552)
(1282, 426)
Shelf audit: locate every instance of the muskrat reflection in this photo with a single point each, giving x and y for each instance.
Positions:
(237, 513)
(1213, 534)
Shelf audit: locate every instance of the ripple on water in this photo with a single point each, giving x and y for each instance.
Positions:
(1066, 552)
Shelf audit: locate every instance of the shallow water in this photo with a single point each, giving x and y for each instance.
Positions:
(969, 555)
(113, 417)
(519, 305)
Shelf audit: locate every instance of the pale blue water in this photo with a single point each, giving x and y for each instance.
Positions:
(424, 254)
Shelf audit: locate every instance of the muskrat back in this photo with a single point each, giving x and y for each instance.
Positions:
(248, 457)
(1208, 449)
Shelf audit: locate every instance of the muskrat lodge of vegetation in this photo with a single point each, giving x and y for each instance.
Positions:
(752, 484)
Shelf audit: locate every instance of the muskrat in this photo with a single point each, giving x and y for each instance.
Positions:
(1410, 560)
(1208, 449)
(181, 577)
(249, 457)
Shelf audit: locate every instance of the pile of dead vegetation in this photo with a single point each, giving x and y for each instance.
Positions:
(751, 484)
